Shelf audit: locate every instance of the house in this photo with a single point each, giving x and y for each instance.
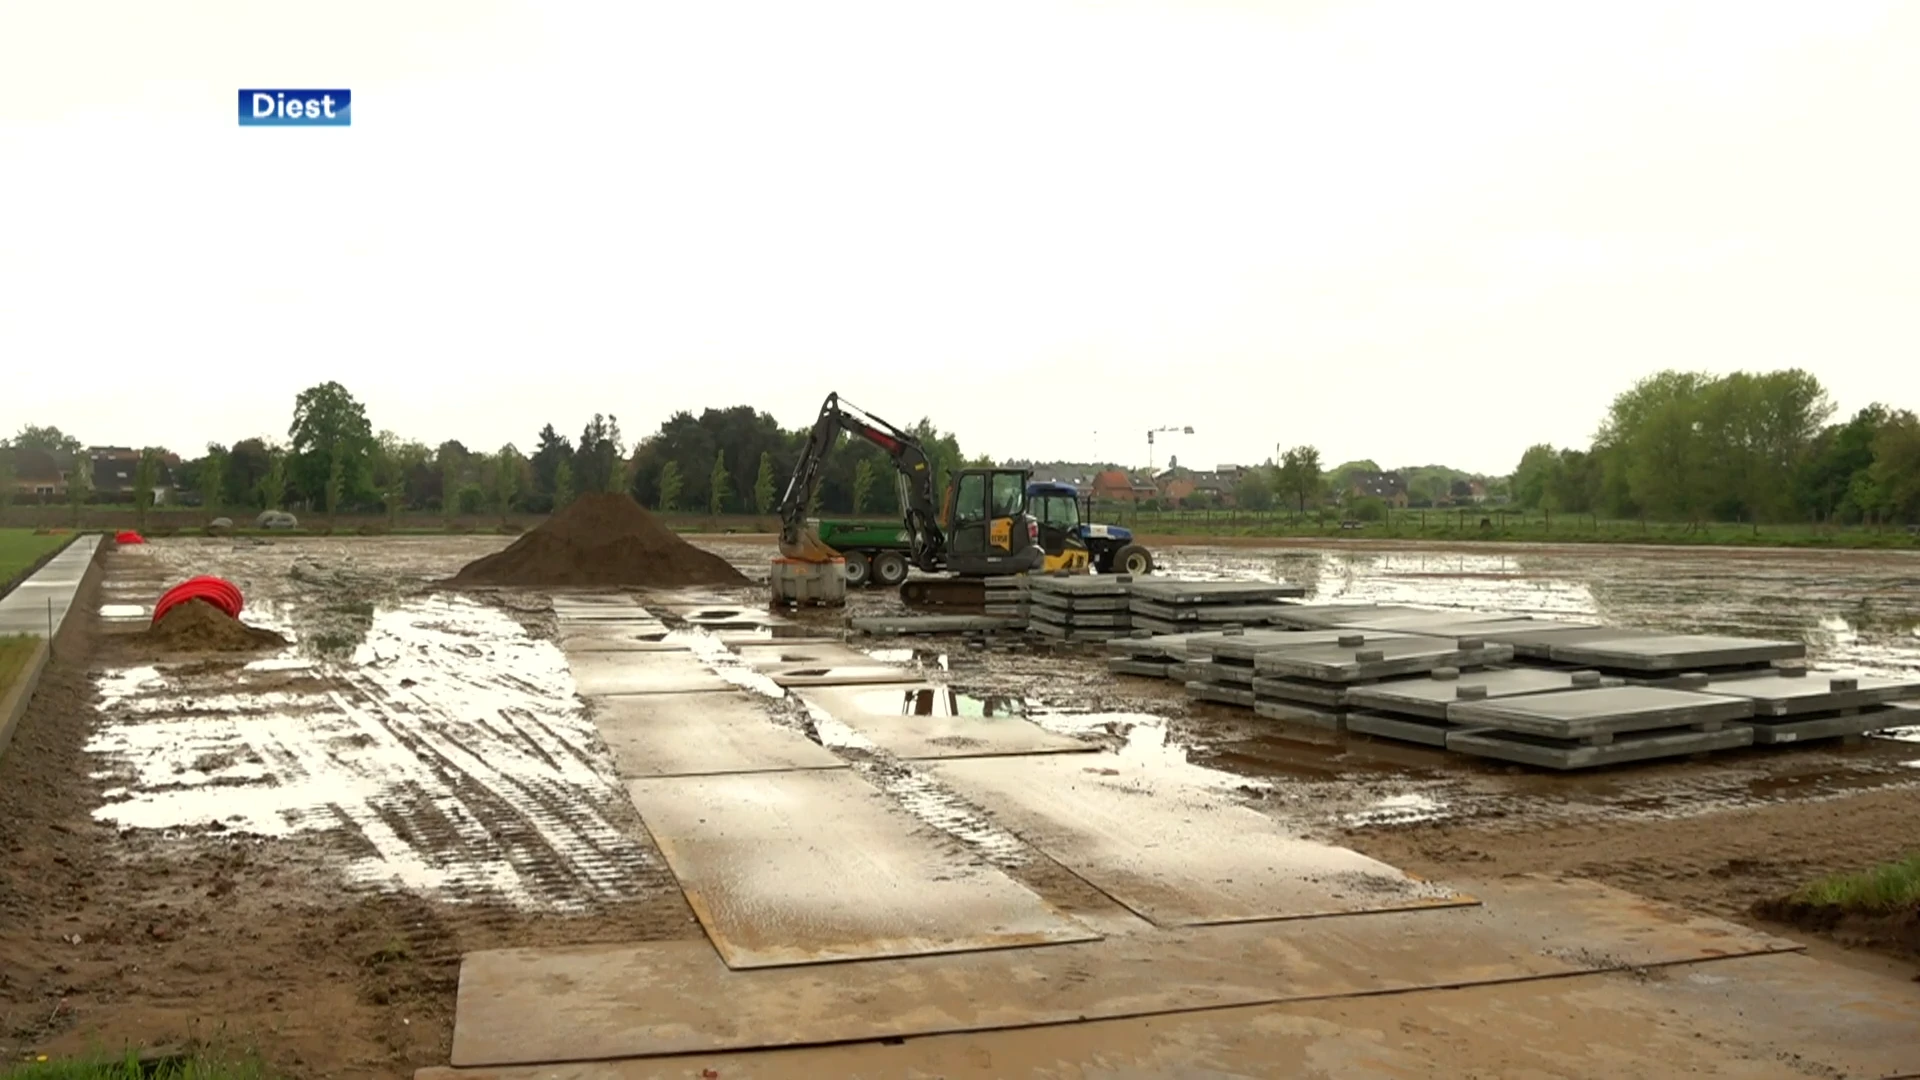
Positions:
(116, 468)
(1388, 487)
(37, 473)
(1117, 485)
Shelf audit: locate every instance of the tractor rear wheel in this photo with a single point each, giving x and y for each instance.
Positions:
(1133, 559)
(889, 568)
(859, 570)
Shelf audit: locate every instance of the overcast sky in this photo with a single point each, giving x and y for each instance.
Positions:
(1417, 232)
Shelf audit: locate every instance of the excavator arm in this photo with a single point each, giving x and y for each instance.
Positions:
(927, 543)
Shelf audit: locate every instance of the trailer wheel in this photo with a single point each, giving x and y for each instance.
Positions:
(1133, 559)
(889, 568)
(859, 570)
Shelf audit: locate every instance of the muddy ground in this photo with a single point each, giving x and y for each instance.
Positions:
(293, 850)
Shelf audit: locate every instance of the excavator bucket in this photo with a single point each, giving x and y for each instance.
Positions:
(809, 548)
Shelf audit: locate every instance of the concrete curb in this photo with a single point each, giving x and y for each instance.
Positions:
(14, 702)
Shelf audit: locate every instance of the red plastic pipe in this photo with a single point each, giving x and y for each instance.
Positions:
(224, 595)
(128, 536)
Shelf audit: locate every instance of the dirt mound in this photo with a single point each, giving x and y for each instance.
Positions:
(197, 626)
(601, 539)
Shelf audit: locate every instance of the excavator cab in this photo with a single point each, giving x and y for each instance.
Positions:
(990, 531)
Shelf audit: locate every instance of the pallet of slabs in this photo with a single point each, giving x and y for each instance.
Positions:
(1311, 684)
(1331, 616)
(1150, 655)
(1007, 596)
(1079, 607)
(1795, 706)
(1650, 659)
(1416, 709)
(1585, 728)
(1220, 667)
(1172, 606)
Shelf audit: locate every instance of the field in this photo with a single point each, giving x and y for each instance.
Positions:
(290, 853)
(21, 550)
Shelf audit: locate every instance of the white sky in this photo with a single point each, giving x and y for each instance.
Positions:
(1417, 232)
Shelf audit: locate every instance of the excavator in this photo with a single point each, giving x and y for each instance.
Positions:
(980, 529)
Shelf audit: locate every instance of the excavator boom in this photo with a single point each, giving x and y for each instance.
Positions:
(927, 543)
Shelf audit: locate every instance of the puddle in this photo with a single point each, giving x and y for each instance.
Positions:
(124, 611)
(1397, 810)
(450, 746)
(938, 701)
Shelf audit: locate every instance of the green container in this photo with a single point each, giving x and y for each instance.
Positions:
(864, 535)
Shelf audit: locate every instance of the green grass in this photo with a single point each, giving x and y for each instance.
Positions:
(21, 548)
(14, 651)
(1883, 889)
(195, 1066)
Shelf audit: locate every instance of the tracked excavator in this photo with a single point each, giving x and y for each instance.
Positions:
(980, 529)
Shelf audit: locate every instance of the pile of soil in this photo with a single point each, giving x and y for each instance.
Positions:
(197, 626)
(601, 539)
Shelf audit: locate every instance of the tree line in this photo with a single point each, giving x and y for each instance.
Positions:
(723, 461)
(1745, 447)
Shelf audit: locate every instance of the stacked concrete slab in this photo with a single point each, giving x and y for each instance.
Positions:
(1172, 607)
(1793, 705)
(1007, 596)
(1153, 656)
(1078, 607)
(1221, 669)
(1419, 709)
(1584, 728)
(1312, 685)
(1670, 660)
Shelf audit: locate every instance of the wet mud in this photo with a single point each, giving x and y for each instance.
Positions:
(410, 774)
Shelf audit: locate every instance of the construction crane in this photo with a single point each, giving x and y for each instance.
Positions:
(982, 528)
(1182, 430)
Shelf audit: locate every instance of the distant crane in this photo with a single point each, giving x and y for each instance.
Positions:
(1182, 430)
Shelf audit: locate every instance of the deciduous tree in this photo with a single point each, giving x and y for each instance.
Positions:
(763, 495)
(330, 436)
(719, 486)
(669, 487)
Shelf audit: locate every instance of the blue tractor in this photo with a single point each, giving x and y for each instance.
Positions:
(1110, 548)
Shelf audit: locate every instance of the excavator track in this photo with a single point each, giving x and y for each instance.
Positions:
(944, 593)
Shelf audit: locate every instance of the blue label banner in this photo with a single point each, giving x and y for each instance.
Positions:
(296, 108)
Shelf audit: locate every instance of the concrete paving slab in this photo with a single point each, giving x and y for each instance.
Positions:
(1246, 647)
(701, 733)
(1146, 669)
(1157, 626)
(1536, 642)
(1636, 746)
(1209, 614)
(1376, 659)
(1176, 854)
(605, 640)
(1220, 693)
(1325, 616)
(1084, 635)
(841, 675)
(775, 656)
(1116, 620)
(658, 998)
(929, 624)
(1778, 694)
(1739, 1017)
(922, 721)
(1072, 602)
(1208, 672)
(817, 866)
(597, 674)
(1297, 715)
(1169, 591)
(1804, 728)
(1301, 692)
(1423, 621)
(1425, 731)
(1154, 646)
(1602, 711)
(1081, 585)
(1430, 697)
(1674, 652)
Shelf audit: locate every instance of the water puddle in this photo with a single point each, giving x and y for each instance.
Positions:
(449, 745)
(939, 701)
(1397, 810)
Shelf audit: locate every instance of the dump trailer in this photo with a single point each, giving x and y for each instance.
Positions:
(877, 551)
(979, 530)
